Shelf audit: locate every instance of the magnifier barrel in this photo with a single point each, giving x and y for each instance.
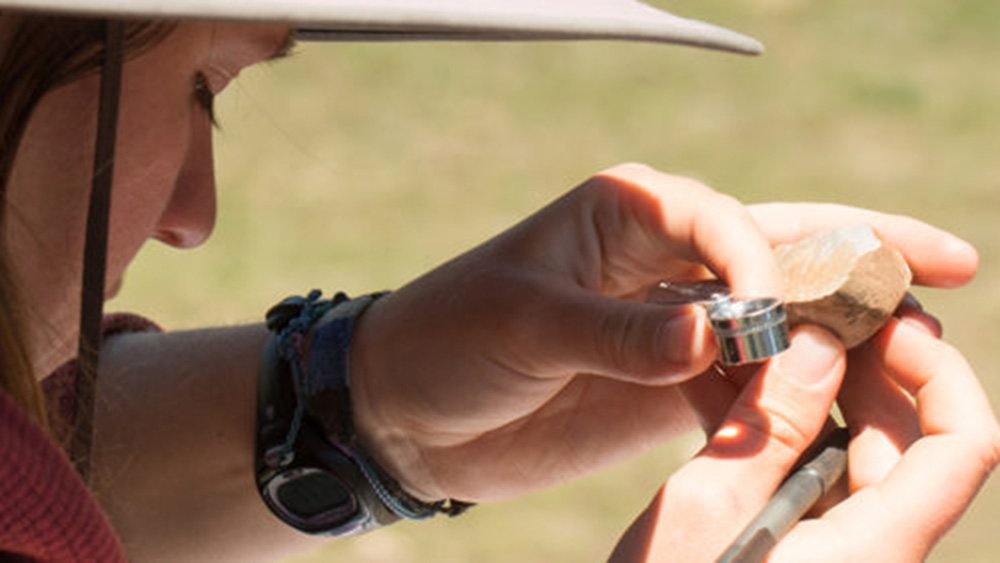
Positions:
(747, 330)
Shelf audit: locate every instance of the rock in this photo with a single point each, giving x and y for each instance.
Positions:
(846, 280)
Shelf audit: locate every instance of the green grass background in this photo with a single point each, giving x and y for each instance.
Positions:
(357, 167)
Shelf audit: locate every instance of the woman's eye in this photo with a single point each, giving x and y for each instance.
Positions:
(204, 96)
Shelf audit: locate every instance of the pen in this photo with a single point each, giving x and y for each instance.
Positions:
(795, 497)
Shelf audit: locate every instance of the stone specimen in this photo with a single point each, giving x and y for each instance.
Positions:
(846, 280)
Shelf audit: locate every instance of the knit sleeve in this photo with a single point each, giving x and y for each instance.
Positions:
(46, 512)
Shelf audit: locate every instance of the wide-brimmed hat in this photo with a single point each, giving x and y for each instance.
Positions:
(383, 20)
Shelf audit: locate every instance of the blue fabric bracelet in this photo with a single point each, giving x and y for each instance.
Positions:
(322, 389)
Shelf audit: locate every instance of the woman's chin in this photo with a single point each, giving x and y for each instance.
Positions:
(112, 290)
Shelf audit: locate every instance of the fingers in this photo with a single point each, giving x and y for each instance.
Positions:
(657, 218)
(938, 475)
(936, 257)
(783, 408)
(963, 441)
(629, 227)
(948, 395)
(637, 226)
(774, 419)
(711, 394)
(882, 416)
(625, 340)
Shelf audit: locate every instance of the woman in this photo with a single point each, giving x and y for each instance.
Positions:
(472, 382)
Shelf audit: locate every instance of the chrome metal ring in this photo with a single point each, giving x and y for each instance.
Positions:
(748, 330)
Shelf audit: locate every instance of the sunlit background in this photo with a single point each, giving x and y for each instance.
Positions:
(357, 167)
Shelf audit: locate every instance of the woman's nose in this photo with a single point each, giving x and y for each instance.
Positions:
(189, 217)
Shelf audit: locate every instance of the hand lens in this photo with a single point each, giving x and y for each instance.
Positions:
(747, 330)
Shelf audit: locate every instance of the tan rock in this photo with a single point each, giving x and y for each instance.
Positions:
(846, 280)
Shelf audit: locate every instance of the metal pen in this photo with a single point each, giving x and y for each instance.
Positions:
(795, 497)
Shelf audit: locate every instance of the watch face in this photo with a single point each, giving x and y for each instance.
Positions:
(314, 500)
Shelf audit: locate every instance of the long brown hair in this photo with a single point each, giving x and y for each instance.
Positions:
(38, 54)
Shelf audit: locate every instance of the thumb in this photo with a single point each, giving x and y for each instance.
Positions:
(780, 411)
(776, 416)
(632, 341)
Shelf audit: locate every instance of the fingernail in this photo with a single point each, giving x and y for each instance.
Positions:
(812, 357)
(909, 303)
(911, 312)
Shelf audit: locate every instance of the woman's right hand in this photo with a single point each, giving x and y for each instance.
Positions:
(924, 440)
(538, 348)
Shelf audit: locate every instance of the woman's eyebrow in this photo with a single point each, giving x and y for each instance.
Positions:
(284, 48)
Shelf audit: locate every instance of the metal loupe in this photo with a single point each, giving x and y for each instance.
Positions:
(747, 330)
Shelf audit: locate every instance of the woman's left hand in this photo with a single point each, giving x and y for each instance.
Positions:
(924, 441)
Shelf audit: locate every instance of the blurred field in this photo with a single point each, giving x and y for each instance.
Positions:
(357, 167)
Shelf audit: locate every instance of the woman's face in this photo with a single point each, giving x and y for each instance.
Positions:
(164, 185)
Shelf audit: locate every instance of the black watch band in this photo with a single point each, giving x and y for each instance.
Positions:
(309, 481)
(311, 468)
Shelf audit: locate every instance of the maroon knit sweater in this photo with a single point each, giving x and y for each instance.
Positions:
(46, 511)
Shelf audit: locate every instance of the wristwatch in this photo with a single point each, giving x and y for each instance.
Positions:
(310, 479)
(312, 469)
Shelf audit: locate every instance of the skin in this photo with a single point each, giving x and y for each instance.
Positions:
(535, 348)
(164, 176)
(924, 439)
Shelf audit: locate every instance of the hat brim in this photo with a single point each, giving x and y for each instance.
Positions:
(395, 20)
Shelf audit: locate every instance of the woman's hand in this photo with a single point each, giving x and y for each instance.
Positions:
(533, 358)
(924, 441)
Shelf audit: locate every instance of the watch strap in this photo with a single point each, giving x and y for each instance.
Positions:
(312, 467)
(306, 439)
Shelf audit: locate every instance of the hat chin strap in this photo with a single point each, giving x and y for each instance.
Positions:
(95, 252)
